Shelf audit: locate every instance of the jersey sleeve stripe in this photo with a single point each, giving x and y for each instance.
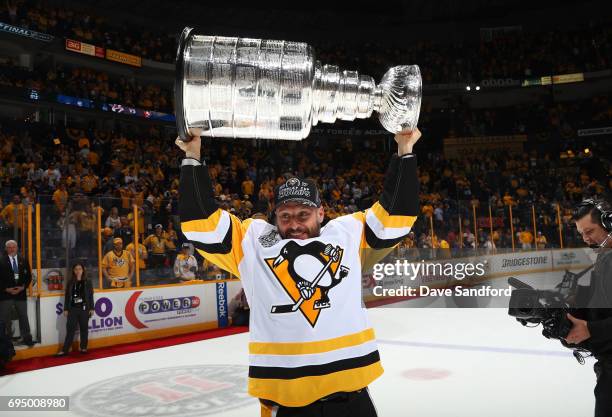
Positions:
(226, 253)
(193, 229)
(375, 242)
(223, 261)
(223, 247)
(385, 233)
(204, 225)
(388, 220)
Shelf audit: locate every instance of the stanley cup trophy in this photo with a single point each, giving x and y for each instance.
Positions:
(265, 89)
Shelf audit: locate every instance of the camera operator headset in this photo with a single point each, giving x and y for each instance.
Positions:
(593, 220)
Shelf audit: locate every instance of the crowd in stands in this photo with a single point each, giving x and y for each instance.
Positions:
(77, 171)
(87, 83)
(559, 119)
(75, 24)
(73, 171)
(515, 54)
(557, 122)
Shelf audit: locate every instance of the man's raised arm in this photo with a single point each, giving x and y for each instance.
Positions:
(390, 219)
(215, 233)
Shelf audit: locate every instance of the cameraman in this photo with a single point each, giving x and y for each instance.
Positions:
(593, 220)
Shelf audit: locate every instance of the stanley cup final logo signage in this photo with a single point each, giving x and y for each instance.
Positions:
(266, 89)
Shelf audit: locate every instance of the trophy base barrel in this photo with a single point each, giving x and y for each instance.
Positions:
(179, 110)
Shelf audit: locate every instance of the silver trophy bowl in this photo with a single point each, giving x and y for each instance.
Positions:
(231, 87)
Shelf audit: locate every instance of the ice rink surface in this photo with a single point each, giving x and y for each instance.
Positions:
(439, 362)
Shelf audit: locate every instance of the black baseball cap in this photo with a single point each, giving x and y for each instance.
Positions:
(297, 190)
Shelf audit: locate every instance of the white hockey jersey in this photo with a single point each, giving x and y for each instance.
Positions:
(300, 349)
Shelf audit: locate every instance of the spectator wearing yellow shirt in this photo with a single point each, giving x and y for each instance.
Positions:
(522, 192)
(410, 241)
(118, 266)
(496, 236)
(248, 186)
(541, 241)
(171, 240)
(335, 195)
(138, 196)
(126, 197)
(89, 183)
(93, 158)
(158, 174)
(27, 193)
(158, 248)
(427, 209)
(526, 239)
(60, 198)
(86, 230)
(141, 227)
(508, 200)
(83, 141)
(142, 254)
(443, 247)
(13, 213)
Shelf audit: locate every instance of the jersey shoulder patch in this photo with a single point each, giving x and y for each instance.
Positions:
(268, 235)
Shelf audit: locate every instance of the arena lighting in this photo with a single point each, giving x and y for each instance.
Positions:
(477, 88)
(587, 150)
(468, 88)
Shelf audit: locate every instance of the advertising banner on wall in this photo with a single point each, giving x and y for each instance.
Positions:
(222, 304)
(455, 147)
(520, 262)
(123, 58)
(124, 312)
(27, 33)
(84, 48)
(573, 258)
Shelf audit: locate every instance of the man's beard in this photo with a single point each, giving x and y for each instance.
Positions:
(291, 233)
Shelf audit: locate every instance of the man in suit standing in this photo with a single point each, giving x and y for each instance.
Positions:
(15, 277)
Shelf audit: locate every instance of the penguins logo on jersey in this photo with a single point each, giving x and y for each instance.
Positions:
(307, 274)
